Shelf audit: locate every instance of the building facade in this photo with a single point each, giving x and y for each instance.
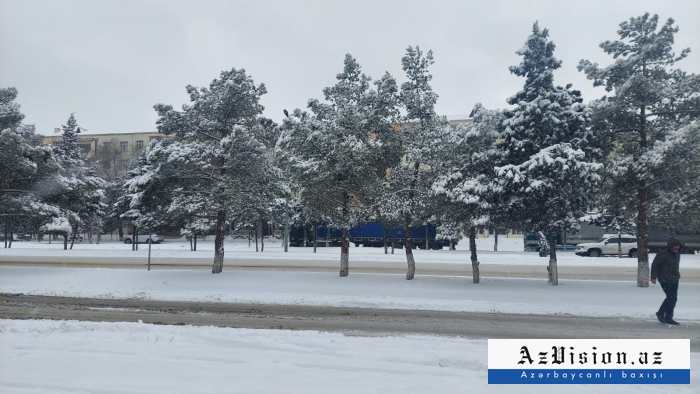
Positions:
(113, 153)
(92, 144)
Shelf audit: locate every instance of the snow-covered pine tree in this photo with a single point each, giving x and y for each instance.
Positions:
(468, 158)
(677, 205)
(337, 153)
(79, 192)
(650, 100)
(219, 153)
(547, 182)
(26, 168)
(410, 181)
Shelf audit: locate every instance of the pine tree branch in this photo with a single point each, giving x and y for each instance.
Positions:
(675, 112)
(15, 191)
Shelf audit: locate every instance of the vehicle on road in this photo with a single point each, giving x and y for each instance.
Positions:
(144, 239)
(609, 244)
(369, 235)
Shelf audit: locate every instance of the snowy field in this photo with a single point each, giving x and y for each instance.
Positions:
(39, 356)
(50, 357)
(448, 293)
(178, 251)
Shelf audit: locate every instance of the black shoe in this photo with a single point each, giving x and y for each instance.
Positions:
(672, 322)
(661, 317)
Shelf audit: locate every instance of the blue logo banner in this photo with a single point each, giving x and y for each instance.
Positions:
(589, 376)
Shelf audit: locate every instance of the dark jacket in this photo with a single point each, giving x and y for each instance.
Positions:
(666, 266)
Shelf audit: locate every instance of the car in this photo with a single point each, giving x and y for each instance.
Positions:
(608, 245)
(141, 238)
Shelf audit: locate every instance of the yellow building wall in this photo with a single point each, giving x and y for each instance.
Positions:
(92, 143)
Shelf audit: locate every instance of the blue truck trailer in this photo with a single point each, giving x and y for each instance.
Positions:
(368, 235)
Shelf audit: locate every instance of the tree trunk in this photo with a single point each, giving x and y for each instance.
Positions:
(642, 225)
(75, 234)
(218, 243)
(65, 241)
(121, 232)
(386, 246)
(393, 238)
(495, 240)
(345, 253)
(133, 239)
(411, 273)
(619, 244)
(256, 240)
(552, 269)
(452, 244)
(328, 236)
(149, 254)
(427, 241)
(476, 276)
(191, 242)
(642, 237)
(262, 237)
(345, 242)
(195, 242)
(407, 224)
(564, 240)
(315, 231)
(99, 237)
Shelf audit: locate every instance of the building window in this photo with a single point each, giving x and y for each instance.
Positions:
(124, 146)
(57, 143)
(139, 145)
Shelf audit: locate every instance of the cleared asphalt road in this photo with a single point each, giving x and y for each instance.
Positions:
(500, 270)
(352, 321)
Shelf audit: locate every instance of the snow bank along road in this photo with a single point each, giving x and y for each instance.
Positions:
(360, 321)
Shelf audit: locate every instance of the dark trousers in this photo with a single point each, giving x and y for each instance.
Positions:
(669, 304)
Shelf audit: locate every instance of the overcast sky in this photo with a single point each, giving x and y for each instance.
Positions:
(110, 61)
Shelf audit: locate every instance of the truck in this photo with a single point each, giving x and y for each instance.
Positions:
(368, 235)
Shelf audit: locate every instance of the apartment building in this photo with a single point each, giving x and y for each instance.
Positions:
(92, 144)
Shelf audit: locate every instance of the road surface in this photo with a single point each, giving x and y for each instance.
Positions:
(352, 321)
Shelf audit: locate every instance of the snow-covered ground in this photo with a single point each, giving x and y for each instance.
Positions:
(510, 252)
(80, 357)
(449, 293)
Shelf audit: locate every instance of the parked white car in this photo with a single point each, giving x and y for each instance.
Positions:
(608, 245)
(142, 238)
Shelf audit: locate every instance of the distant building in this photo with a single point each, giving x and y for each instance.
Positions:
(91, 144)
(113, 153)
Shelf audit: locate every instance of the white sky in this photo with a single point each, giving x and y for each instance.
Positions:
(110, 61)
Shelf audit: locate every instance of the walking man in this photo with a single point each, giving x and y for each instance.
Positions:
(665, 268)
